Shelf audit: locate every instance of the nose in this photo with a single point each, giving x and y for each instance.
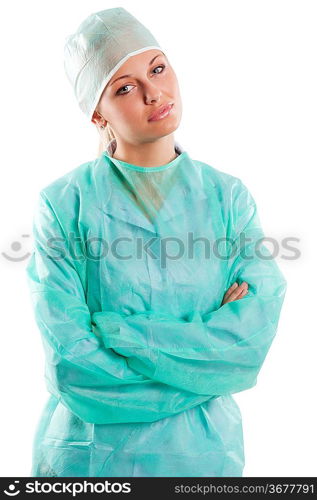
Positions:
(152, 94)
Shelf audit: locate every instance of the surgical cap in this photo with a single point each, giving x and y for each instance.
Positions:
(101, 44)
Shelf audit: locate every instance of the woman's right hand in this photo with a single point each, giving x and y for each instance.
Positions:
(235, 292)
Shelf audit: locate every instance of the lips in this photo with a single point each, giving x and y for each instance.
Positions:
(160, 111)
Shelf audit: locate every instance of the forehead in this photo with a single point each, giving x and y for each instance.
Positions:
(144, 57)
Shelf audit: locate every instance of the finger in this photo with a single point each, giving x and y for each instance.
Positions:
(234, 297)
(231, 294)
(228, 292)
(233, 286)
(238, 290)
(242, 294)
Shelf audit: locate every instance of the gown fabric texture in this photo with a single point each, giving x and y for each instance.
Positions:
(141, 359)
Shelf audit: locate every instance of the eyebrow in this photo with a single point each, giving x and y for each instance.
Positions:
(125, 76)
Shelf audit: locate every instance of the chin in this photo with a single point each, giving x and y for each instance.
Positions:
(167, 124)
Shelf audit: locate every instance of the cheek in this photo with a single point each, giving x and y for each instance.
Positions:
(172, 85)
(129, 114)
(127, 107)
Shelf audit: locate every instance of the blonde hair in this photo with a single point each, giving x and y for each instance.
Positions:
(106, 135)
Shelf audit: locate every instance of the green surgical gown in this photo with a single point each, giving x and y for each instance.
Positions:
(129, 268)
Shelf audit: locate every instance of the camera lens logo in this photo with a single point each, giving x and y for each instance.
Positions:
(13, 492)
(16, 247)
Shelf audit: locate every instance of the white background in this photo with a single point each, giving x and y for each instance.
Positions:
(247, 73)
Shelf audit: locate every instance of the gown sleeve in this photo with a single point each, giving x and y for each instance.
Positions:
(91, 380)
(220, 352)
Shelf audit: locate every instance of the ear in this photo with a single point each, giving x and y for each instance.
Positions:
(94, 118)
(98, 120)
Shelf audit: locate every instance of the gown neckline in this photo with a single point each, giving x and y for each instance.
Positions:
(111, 149)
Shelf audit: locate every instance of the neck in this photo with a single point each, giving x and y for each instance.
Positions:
(149, 154)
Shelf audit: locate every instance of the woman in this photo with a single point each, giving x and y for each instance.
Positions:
(154, 295)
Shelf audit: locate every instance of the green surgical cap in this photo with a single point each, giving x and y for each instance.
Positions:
(101, 44)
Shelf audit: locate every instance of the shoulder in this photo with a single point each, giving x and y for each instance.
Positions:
(69, 185)
(236, 200)
(225, 183)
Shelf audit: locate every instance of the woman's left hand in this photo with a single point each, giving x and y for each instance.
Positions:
(235, 292)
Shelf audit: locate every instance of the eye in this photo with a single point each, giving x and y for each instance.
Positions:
(119, 91)
(125, 86)
(160, 66)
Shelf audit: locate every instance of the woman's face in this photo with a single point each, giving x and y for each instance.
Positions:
(128, 101)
